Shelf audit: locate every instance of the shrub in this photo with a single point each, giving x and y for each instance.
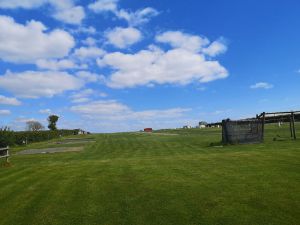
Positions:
(7, 137)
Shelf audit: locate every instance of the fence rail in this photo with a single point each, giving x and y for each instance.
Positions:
(4, 153)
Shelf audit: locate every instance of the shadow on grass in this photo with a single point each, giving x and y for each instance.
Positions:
(6, 164)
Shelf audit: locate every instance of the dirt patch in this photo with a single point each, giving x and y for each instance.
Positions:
(75, 141)
(6, 164)
(50, 150)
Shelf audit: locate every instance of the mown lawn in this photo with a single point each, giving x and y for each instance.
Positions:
(136, 179)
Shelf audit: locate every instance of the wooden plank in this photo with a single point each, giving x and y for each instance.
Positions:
(295, 112)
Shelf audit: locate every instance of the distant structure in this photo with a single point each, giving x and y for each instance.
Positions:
(187, 127)
(80, 131)
(148, 130)
(202, 124)
(218, 125)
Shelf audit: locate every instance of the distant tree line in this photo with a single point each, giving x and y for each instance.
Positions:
(11, 138)
(35, 133)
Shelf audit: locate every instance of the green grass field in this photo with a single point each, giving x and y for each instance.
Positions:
(157, 179)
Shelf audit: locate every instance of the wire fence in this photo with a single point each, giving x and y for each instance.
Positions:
(242, 131)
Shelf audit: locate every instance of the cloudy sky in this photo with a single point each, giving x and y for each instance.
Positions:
(121, 65)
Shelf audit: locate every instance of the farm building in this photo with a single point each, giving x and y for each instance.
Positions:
(80, 131)
(148, 130)
(202, 124)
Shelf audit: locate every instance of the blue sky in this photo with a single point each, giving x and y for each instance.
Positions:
(111, 65)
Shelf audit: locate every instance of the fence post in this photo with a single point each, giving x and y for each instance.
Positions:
(291, 130)
(7, 155)
(293, 123)
(263, 125)
(224, 132)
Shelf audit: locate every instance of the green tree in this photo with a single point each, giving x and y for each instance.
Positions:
(34, 125)
(52, 119)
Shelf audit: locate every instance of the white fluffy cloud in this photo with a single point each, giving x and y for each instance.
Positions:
(262, 85)
(26, 4)
(88, 52)
(82, 96)
(155, 66)
(104, 6)
(133, 18)
(84, 30)
(184, 63)
(45, 111)
(56, 64)
(33, 84)
(123, 37)
(178, 39)
(4, 112)
(30, 42)
(89, 77)
(138, 17)
(113, 110)
(64, 10)
(9, 101)
(86, 95)
(215, 48)
(89, 41)
(72, 15)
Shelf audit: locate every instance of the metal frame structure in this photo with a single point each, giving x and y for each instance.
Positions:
(274, 117)
(252, 130)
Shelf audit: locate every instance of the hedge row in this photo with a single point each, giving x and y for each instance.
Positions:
(10, 138)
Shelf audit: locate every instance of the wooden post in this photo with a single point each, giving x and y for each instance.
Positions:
(224, 132)
(5, 153)
(263, 125)
(7, 157)
(291, 130)
(293, 123)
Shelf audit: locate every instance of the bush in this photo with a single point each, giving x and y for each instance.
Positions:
(7, 137)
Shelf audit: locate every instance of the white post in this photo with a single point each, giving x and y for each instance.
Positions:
(7, 155)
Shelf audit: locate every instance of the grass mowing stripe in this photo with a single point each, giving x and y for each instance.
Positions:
(26, 196)
(57, 209)
(142, 179)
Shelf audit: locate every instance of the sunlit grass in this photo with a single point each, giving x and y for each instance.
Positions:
(138, 178)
